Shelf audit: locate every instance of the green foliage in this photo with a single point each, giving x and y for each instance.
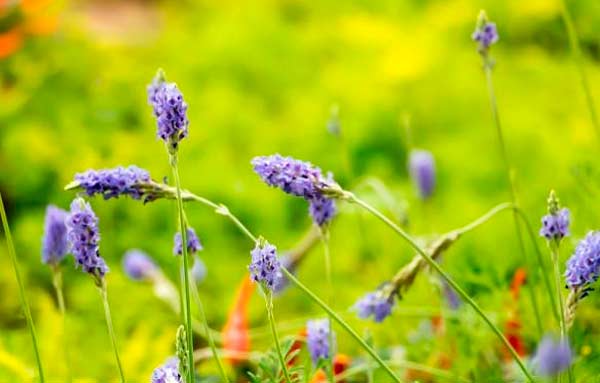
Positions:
(269, 368)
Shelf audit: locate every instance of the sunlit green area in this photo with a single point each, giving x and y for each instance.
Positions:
(262, 77)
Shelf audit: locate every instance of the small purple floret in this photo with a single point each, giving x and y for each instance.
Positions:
(552, 356)
(317, 339)
(193, 242)
(486, 35)
(265, 267)
(421, 167)
(555, 226)
(84, 237)
(170, 111)
(583, 268)
(322, 210)
(138, 265)
(374, 304)
(115, 182)
(167, 373)
(54, 242)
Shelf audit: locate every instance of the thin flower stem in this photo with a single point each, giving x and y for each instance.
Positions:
(23, 298)
(325, 240)
(269, 305)
(434, 265)
(554, 249)
(57, 282)
(186, 281)
(578, 58)
(513, 190)
(109, 325)
(484, 218)
(211, 341)
(342, 323)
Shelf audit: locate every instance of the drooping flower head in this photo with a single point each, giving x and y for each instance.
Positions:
(198, 270)
(167, 373)
(113, 183)
(84, 237)
(170, 111)
(54, 240)
(317, 339)
(193, 242)
(555, 225)
(421, 167)
(265, 267)
(298, 178)
(138, 265)
(583, 268)
(552, 356)
(485, 34)
(374, 304)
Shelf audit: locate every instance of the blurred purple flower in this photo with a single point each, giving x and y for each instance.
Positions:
(54, 241)
(198, 270)
(552, 356)
(322, 210)
(115, 182)
(583, 267)
(84, 237)
(317, 339)
(486, 34)
(138, 265)
(167, 373)
(555, 226)
(421, 167)
(281, 281)
(374, 304)
(265, 267)
(452, 298)
(193, 242)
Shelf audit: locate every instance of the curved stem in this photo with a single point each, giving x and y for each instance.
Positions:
(58, 288)
(186, 280)
(342, 323)
(269, 306)
(327, 256)
(434, 265)
(109, 324)
(484, 218)
(24, 304)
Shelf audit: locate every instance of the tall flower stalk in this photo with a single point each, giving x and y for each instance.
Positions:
(579, 62)
(330, 292)
(486, 34)
(22, 297)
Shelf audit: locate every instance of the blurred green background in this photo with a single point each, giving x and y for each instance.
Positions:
(261, 77)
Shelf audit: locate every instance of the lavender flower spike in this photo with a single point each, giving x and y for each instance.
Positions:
(193, 242)
(198, 270)
(138, 265)
(421, 167)
(552, 356)
(167, 373)
(265, 267)
(555, 225)
(485, 34)
(84, 237)
(54, 241)
(583, 268)
(374, 304)
(129, 181)
(170, 111)
(317, 339)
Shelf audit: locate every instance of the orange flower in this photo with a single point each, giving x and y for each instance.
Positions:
(10, 42)
(341, 363)
(236, 337)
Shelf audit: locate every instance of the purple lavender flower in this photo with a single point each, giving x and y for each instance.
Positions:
(138, 265)
(421, 167)
(265, 267)
(552, 356)
(170, 111)
(84, 237)
(374, 304)
(485, 34)
(317, 339)
(198, 270)
(583, 267)
(452, 298)
(54, 241)
(555, 225)
(298, 178)
(193, 242)
(115, 182)
(167, 373)
(281, 281)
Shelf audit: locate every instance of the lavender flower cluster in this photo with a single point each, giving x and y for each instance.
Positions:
(54, 242)
(301, 179)
(374, 304)
(583, 268)
(138, 265)
(421, 167)
(486, 35)
(115, 182)
(193, 242)
(317, 339)
(552, 356)
(167, 373)
(265, 267)
(555, 226)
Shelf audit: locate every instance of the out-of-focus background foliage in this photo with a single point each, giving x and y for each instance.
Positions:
(261, 77)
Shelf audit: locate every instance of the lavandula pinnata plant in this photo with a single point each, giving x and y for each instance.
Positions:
(168, 372)
(138, 265)
(24, 304)
(552, 356)
(318, 340)
(377, 304)
(486, 34)
(84, 238)
(54, 249)
(421, 167)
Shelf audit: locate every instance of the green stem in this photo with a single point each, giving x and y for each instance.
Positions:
(434, 265)
(186, 280)
(211, 341)
(269, 305)
(109, 325)
(23, 298)
(327, 256)
(342, 323)
(513, 189)
(578, 58)
(554, 249)
(57, 282)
